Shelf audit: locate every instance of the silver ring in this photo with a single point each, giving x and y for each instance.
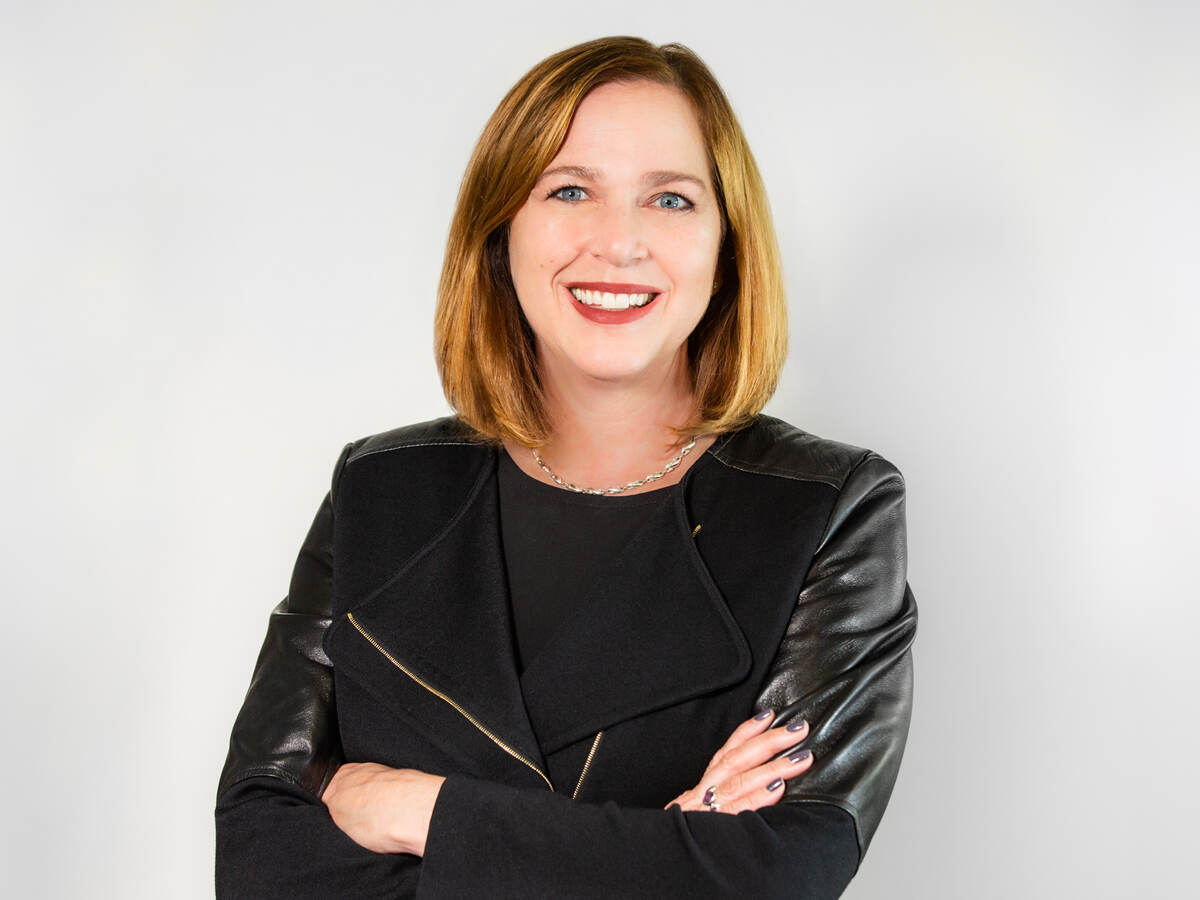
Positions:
(710, 799)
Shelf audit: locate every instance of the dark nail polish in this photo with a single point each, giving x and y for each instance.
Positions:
(796, 726)
(798, 756)
(775, 785)
(758, 717)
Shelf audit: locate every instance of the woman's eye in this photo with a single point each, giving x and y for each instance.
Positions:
(672, 201)
(570, 193)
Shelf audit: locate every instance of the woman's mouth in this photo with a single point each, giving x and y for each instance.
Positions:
(612, 303)
(611, 299)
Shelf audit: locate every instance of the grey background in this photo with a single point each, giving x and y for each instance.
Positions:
(221, 232)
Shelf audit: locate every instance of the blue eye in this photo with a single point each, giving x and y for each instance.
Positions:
(672, 201)
(570, 193)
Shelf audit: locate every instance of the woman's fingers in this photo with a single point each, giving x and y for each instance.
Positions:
(754, 789)
(748, 729)
(759, 787)
(754, 751)
(745, 774)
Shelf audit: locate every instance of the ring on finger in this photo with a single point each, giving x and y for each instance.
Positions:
(710, 799)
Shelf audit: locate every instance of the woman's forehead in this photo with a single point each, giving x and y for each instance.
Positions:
(639, 131)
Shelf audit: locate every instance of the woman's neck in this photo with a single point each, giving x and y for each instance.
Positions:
(606, 434)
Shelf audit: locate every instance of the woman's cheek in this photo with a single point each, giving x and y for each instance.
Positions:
(695, 256)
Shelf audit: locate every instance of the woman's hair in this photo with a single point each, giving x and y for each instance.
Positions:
(484, 347)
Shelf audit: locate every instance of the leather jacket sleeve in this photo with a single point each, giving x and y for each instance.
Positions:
(287, 726)
(845, 662)
(274, 835)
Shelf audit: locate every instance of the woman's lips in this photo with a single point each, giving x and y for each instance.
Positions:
(610, 303)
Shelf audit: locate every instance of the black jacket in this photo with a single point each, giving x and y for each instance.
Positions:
(781, 583)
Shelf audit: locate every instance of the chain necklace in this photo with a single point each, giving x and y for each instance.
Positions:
(653, 476)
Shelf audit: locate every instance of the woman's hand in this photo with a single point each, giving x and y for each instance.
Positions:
(742, 774)
(385, 810)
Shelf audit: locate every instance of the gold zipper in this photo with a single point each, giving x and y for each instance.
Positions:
(470, 718)
(587, 764)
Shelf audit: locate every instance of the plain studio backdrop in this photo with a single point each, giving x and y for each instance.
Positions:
(221, 234)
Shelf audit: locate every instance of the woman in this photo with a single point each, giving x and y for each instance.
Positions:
(488, 681)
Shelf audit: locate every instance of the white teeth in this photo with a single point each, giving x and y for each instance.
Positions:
(606, 300)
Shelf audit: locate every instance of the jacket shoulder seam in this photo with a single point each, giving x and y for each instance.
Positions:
(448, 431)
(781, 473)
(407, 446)
(789, 452)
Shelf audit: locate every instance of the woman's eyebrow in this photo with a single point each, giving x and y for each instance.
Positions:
(654, 179)
(583, 172)
(650, 179)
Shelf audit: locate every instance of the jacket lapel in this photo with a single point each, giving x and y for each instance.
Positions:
(655, 632)
(442, 637)
(435, 642)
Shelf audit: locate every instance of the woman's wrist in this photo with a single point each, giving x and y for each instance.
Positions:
(420, 795)
(383, 809)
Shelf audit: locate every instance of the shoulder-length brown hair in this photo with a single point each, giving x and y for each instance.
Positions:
(484, 347)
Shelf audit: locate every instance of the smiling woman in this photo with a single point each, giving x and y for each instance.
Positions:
(531, 648)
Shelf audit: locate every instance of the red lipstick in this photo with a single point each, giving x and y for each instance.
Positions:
(602, 316)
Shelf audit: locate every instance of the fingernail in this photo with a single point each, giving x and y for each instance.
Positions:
(758, 717)
(796, 726)
(798, 756)
(775, 785)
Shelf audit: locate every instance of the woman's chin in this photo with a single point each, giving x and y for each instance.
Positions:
(617, 369)
(611, 360)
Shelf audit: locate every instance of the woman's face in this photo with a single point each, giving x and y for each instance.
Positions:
(614, 252)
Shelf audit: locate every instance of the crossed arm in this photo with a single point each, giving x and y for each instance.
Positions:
(389, 810)
(487, 839)
(365, 833)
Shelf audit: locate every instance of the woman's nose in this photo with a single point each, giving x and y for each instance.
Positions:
(617, 236)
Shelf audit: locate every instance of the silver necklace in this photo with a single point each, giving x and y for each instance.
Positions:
(653, 476)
